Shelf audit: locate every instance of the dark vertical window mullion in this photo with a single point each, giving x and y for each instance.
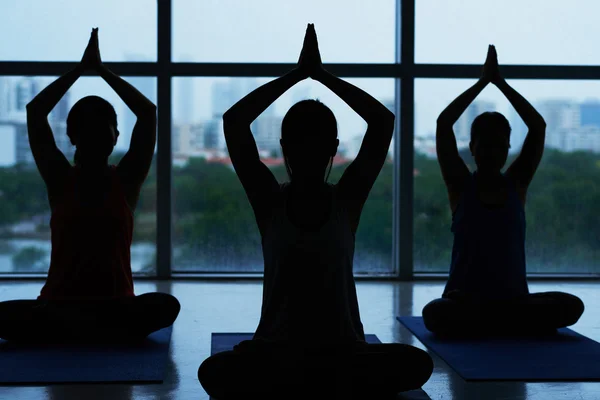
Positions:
(404, 146)
(164, 160)
(396, 147)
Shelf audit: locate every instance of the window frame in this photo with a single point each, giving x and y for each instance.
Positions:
(404, 70)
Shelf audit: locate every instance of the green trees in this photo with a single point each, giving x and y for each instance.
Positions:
(22, 194)
(214, 227)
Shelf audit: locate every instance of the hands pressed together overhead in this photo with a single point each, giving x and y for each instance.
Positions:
(309, 63)
(91, 59)
(491, 70)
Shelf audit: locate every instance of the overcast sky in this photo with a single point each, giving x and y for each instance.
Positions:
(524, 32)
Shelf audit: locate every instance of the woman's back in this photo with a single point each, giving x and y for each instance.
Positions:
(488, 254)
(309, 292)
(91, 237)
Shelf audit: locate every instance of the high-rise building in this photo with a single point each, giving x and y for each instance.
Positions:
(59, 129)
(61, 111)
(224, 94)
(186, 101)
(559, 113)
(563, 118)
(585, 138)
(590, 113)
(24, 92)
(221, 98)
(518, 131)
(188, 139)
(6, 95)
(214, 138)
(23, 155)
(146, 86)
(267, 132)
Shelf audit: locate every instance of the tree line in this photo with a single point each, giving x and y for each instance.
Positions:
(214, 227)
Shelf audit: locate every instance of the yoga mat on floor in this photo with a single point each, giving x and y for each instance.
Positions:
(145, 361)
(225, 341)
(567, 356)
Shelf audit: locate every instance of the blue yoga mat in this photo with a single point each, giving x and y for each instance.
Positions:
(225, 341)
(567, 356)
(38, 364)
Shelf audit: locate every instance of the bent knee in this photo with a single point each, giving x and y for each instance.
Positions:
(217, 372)
(423, 365)
(417, 367)
(435, 312)
(568, 301)
(172, 305)
(574, 307)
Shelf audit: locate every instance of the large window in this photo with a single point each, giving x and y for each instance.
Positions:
(213, 223)
(196, 58)
(25, 213)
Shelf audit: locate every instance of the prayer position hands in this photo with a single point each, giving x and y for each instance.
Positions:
(310, 59)
(491, 70)
(91, 57)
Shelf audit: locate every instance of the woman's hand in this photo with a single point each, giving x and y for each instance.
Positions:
(310, 59)
(91, 57)
(491, 70)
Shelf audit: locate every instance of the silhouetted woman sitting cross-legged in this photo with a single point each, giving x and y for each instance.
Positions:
(310, 340)
(88, 295)
(487, 292)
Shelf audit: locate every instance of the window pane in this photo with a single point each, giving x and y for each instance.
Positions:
(563, 223)
(524, 32)
(59, 30)
(214, 226)
(25, 213)
(273, 31)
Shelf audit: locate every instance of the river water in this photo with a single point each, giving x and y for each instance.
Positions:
(142, 254)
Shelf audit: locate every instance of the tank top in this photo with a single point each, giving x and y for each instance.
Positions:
(90, 256)
(488, 253)
(309, 292)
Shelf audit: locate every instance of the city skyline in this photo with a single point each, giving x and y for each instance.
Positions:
(348, 31)
(581, 133)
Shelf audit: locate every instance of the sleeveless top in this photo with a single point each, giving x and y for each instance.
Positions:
(309, 292)
(488, 254)
(90, 256)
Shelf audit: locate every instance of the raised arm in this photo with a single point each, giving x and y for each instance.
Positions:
(454, 170)
(359, 177)
(50, 161)
(135, 164)
(525, 165)
(256, 178)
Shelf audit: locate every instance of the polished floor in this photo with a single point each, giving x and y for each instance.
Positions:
(235, 307)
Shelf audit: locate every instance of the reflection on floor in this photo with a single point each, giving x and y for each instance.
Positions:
(235, 307)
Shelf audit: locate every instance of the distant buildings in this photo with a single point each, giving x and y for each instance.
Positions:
(147, 86)
(206, 138)
(15, 93)
(571, 126)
